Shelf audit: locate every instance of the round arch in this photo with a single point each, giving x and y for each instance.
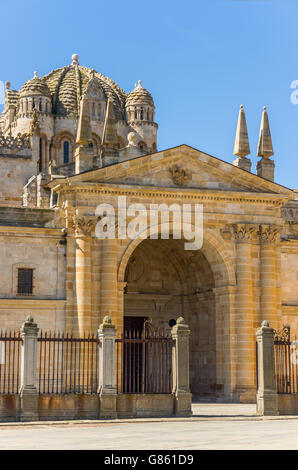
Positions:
(212, 248)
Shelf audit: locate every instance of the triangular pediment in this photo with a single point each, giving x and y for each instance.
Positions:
(181, 167)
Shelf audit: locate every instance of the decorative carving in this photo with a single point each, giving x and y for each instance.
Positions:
(17, 142)
(226, 232)
(180, 176)
(83, 225)
(268, 233)
(34, 124)
(283, 335)
(244, 232)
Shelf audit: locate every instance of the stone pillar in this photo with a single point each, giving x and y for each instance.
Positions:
(265, 168)
(243, 162)
(28, 390)
(267, 403)
(107, 389)
(268, 276)
(243, 314)
(83, 226)
(109, 284)
(181, 388)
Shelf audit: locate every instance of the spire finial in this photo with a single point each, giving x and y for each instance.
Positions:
(75, 59)
(265, 147)
(241, 148)
(84, 133)
(35, 74)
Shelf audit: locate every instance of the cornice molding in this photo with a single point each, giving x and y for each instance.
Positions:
(199, 195)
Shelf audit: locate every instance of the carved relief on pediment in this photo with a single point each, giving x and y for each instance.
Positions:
(180, 176)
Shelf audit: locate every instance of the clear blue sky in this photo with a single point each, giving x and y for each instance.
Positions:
(200, 59)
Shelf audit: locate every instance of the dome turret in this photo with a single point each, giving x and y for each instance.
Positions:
(35, 94)
(35, 86)
(139, 104)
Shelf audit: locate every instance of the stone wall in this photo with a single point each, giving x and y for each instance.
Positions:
(287, 404)
(71, 407)
(39, 249)
(14, 174)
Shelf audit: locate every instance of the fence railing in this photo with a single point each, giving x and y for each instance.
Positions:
(144, 361)
(66, 364)
(10, 362)
(50, 363)
(285, 362)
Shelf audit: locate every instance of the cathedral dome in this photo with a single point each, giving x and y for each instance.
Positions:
(69, 83)
(139, 97)
(35, 86)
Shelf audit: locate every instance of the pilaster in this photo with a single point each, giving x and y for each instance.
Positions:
(83, 227)
(268, 236)
(243, 313)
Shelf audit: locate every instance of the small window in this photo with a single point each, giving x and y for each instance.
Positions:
(25, 281)
(66, 152)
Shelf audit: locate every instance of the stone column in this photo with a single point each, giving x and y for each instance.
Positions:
(181, 388)
(268, 276)
(267, 403)
(107, 389)
(83, 227)
(35, 139)
(28, 390)
(243, 313)
(108, 284)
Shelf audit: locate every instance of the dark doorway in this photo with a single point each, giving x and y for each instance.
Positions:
(133, 354)
(135, 324)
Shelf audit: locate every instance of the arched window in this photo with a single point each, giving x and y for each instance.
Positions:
(142, 145)
(142, 114)
(66, 152)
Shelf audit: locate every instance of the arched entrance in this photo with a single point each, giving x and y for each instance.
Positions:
(164, 281)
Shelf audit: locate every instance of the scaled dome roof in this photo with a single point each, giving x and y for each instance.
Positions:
(66, 85)
(139, 96)
(35, 86)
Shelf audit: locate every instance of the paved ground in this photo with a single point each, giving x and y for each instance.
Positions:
(212, 427)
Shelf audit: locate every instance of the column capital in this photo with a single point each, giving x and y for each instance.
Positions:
(121, 286)
(180, 328)
(244, 232)
(265, 329)
(29, 328)
(83, 225)
(269, 233)
(106, 325)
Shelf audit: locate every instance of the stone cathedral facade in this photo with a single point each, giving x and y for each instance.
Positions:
(74, 139)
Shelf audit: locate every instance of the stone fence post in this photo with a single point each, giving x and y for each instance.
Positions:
(267, 403)
(107, 389)
(28, 390)
(181, 388)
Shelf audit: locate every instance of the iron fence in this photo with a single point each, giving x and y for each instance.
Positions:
(10, 362)
(144, 361)
(285, 361)
(70, 365)
(66, 364)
